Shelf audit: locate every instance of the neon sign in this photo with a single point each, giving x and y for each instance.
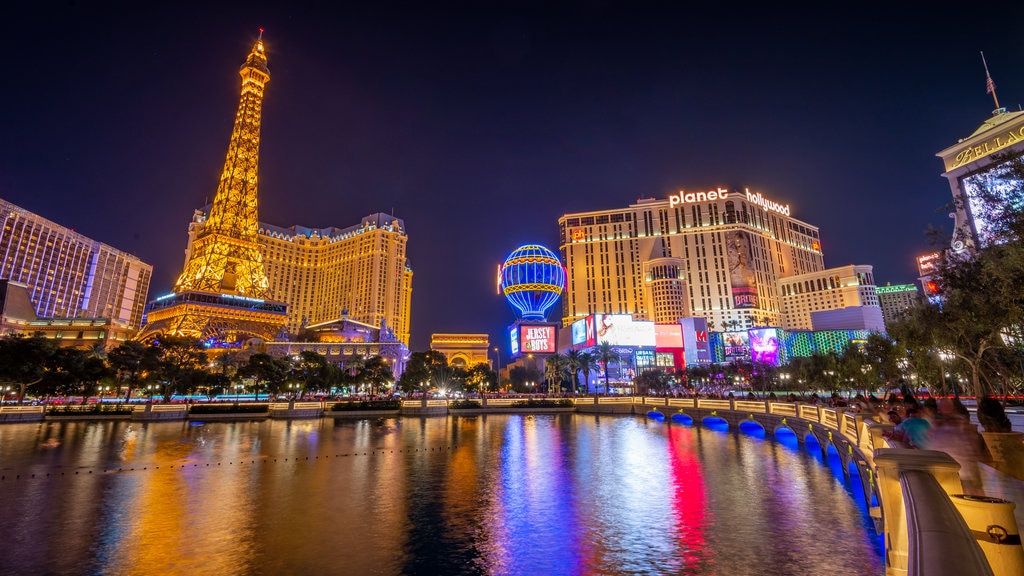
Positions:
(688, 197)
(539, 339)
(766, 204)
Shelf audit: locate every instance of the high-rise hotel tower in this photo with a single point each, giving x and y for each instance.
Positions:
(360, 272)
(716, 254)
(223, 294)
(68, 275)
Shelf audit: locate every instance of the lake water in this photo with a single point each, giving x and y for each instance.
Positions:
(498, 494)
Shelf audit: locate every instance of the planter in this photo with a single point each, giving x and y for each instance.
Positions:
(1007, 451)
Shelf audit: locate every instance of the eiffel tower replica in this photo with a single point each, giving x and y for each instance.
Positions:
(222, 296)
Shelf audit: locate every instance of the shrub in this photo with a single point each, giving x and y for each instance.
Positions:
(367, 405)
(92, 409)
(229, 408)
(543, 403)
(465, 404)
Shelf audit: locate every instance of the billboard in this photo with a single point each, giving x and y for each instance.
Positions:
(621, 330)
(990, 194)
(741, 270)
(668, 335)
(579, 333)
(695, 340)
(513, 337)
(644, 360)
(737, 344)
(537, 339)
(764, 345)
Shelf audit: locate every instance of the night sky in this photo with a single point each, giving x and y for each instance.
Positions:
(480, 123)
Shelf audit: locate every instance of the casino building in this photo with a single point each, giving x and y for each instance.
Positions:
(714, 254)
(360, 272)
(976, 162)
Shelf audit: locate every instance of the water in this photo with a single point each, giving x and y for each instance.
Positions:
(500, 494)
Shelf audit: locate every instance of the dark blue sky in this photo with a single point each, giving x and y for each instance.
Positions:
(480, 123)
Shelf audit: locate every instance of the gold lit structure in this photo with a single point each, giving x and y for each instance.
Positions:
(223, 292)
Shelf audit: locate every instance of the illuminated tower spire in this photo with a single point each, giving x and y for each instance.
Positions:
(222, 295)
(225, 257)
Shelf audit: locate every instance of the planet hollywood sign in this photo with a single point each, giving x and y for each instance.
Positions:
(721, 194)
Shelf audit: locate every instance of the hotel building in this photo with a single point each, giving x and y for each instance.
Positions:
(325, 274)
(68, 275)
(717, 254)
(842, 298)
(895, 301)
(976, 163)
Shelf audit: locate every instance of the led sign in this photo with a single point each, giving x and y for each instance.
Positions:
(688, 197)
(621, 330)
(537, 339)
(766, 204)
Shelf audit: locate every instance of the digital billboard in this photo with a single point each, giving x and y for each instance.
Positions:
(989, 195)
(741, 270)
(696, 349)
(643, 360)
(579, 332)
(764, 345)
(668, 335)
(513, 337)
(621, 330)
(737, 344)
(537, 339)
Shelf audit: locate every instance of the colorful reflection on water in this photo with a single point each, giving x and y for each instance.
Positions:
(501, 494)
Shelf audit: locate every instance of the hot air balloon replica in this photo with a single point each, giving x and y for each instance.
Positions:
(532, 278)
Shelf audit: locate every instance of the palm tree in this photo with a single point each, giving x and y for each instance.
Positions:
(572, 363)
(587, 364)
(555, 369)
(604, 354)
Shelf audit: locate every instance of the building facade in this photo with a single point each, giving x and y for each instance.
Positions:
(69, 275)
(322, 274)
(463, 350)
(345, 341)
(978, 162)
(728, 249)
(851, 286)
(895, 301)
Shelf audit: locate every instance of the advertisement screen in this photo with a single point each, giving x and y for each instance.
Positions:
(668, 335)
(514, 340)
(579, 332)
(737, 344)
(695, 340)
(764, 345)
(621, 330)
(741, 270)
(591, 339)
(537, 339)
(989, 195)
(665, 359)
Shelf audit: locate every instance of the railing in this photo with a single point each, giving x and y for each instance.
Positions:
(160, 408)
(429, 404)
(714, 404)
(21, 409)
(782, 409)
(296, 405)
(939, 542)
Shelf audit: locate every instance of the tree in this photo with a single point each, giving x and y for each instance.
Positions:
(267, 371)
(480, 378)
(420, 371)
(521, 376)
(652, 380)
(556, 369)
(572, 364)
(604, 353)
(133, 363)
(23, 361)
(377, 372)
(978, 316)
(587, 364)
(312, 371)
(182, 363)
